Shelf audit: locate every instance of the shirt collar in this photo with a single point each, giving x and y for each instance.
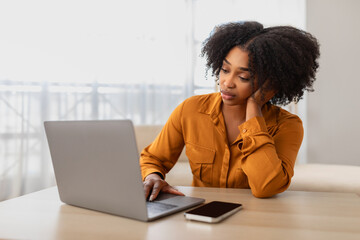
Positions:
(212, 106)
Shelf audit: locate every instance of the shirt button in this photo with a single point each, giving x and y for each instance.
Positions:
(244, 130)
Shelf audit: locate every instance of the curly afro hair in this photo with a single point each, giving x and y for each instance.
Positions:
(284, 55)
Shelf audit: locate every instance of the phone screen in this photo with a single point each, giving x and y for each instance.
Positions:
(214, 209)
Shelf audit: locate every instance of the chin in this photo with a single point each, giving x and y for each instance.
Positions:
(233, 103)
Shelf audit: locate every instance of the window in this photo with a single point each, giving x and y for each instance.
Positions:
(92, 59)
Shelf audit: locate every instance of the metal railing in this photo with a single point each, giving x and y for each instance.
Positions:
(24, 106)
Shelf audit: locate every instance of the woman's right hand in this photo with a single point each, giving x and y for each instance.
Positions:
(153, 185)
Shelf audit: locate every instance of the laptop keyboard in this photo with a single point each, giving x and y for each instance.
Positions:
(155, 208)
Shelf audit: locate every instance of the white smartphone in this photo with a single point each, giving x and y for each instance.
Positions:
(213, 212)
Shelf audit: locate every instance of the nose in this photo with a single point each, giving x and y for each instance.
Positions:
(228, 82)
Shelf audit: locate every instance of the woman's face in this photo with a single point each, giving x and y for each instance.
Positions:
(235, 85)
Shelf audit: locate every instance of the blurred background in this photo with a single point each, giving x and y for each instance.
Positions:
(92, 59)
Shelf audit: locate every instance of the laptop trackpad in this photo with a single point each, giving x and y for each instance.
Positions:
(173, 199)
(165, 196)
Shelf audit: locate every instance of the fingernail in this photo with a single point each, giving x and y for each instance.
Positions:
(151, 198)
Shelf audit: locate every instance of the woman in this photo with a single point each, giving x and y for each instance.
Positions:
(238, 138)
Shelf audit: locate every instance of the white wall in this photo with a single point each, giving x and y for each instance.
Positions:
(334, 108)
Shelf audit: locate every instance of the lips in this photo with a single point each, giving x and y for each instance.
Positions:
(226, 95)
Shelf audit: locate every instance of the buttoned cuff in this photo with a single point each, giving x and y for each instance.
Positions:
(253, 134)
(253, 126)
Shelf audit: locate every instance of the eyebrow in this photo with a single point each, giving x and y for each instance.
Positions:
(241, 68)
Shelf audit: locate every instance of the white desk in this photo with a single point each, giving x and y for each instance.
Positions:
(290, 215)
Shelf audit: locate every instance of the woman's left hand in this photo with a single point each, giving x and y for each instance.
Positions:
(256, 101)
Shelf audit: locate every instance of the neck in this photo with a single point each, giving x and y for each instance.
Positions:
(236, 112)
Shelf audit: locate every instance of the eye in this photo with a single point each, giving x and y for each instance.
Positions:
(224, 70)
(244, 79)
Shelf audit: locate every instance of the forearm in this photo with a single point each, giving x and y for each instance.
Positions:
(268, 161)
(253, 110)
(267, 174)
(157, 160)
(163, 153)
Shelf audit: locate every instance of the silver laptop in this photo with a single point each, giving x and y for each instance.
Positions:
(96, 166)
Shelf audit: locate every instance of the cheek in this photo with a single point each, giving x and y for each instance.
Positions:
(221, 78)
(246, 89)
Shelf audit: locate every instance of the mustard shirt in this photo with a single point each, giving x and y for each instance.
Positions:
(262, 157)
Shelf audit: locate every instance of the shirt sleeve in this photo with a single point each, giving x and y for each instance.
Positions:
(162, 154)
(268, 161)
